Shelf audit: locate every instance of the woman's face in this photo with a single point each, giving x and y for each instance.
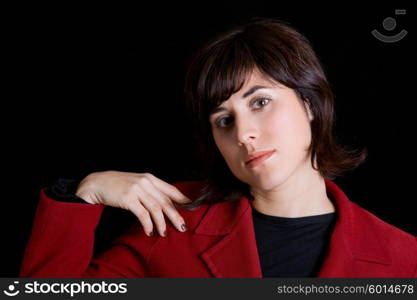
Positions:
(263, 115)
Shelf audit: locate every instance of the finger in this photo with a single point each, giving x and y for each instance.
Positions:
(155, 210)
(170, 190)
(166, 204)
(143, 215)
(173, 215)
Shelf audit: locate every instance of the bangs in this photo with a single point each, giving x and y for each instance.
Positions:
(227, 72)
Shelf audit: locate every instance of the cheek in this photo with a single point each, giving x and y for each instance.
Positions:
(227, 150)
(276, 128)
(222, 145)
(302, 129)
(289, 127)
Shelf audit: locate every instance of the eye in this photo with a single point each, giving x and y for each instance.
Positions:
(258, 104)
(263, 101)
(223, 122)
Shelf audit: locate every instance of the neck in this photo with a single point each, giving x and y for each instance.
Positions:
(300, 195)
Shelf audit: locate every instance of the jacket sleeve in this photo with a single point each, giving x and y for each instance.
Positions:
(62, 241)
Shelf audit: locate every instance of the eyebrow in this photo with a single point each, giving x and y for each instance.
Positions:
(245, 95)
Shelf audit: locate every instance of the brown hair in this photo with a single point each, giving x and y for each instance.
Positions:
(220, 69)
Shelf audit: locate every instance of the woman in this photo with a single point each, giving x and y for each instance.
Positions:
(263, 116)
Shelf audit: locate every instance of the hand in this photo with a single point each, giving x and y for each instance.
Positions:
(141, 193)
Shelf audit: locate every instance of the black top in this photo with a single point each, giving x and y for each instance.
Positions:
(287, 247)
(292, 247)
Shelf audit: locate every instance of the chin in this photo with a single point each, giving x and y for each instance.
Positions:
(265, 183)
(265, 186)
(269, 182)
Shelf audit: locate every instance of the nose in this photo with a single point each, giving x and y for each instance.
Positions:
(246, 131)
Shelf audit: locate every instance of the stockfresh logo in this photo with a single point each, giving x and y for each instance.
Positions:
(12, 290)
(71, 289)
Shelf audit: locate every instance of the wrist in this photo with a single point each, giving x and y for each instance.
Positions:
(84, 191)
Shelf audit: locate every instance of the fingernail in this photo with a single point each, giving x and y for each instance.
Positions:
(165, 233)
(184, 227)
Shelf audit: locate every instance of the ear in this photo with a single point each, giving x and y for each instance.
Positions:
(308, 109)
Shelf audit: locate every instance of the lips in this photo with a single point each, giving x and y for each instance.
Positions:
(253, 156)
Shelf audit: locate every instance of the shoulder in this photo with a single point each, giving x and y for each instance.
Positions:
(370, 236)
(192, 190)
(397, 243)
(175, 243)
(390, 231)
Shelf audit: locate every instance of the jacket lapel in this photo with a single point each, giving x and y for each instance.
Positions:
(236, 254)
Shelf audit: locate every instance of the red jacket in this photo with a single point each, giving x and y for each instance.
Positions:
(220, 242)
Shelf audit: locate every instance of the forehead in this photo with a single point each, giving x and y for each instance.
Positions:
(253, 82)
(257, 78)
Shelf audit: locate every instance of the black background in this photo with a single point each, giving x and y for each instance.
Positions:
(99, 88)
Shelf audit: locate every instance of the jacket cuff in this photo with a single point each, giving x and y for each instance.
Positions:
(63, 190)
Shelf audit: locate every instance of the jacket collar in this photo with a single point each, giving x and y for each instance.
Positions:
(236, 254)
